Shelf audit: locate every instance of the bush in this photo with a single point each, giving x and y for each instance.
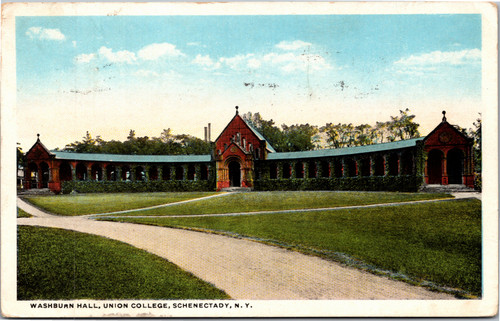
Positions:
(136, 186)
(406, 183)
(478, 182)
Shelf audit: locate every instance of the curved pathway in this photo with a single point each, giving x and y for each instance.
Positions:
(243, 268)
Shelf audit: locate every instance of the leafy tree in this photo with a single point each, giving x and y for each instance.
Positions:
(346, 135)
(475, 133)
(87, 145)
(20, 156)
(299, 137)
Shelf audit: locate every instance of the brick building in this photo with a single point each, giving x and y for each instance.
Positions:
(242, 157)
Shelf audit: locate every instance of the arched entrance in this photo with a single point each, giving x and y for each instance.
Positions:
(435, 166)
(234, 174)
(32, 175)
(65, 172)
(455, 166)
(45, 175)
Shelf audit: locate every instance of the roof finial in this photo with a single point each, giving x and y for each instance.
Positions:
(236, 110)
(444, 116)
(38, 136)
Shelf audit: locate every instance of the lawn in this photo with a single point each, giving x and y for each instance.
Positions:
(102, 203)
(57, 264)
(264, 201)
(438, 242)
(21, 213)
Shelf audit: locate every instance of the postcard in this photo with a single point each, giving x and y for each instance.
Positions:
(249, 159)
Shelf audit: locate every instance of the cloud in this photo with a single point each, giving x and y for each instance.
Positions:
(462, 57)
(157, 50)
(293, 45)
(146, 73)
(238, 62)
(84, 58)
(45, 34)
(291, 62)
(206, 62)
(119, 56)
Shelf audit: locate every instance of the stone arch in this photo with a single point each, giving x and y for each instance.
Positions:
(365, 167)
(96, 172)
(455, 166)
(379, 165)
(338, 168)
(407, 163)
(111, 174)
(126, 173)
(140, 174)
(312, 170)
(325, 169)
(165, 172)
(32, 175)
(287, 170)
(203, 172)
(65, 172)
(153, 173)
(435, 166)
(179, 173)
(393, 163)
(350, 165)
(191, 172)
(81, 172)
(234, 171)
(45, 171)
(299, 170)
(273, 171)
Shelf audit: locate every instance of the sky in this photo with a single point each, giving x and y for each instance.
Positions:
(110, 74)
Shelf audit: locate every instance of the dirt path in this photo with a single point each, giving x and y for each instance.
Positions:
(242, 268)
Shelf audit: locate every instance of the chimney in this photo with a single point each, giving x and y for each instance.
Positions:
(209, 139)
(205, 134)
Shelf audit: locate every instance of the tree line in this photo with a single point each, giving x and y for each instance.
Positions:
(166, 144)
(308, 137)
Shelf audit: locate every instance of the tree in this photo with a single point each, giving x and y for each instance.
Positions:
(299, 137)
(20, 156)
(346, 135)
(475, 133)
(403, 127)
(87, 145)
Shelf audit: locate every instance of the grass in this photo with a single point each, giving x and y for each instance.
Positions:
(262, 201)
(72, 205)
(57, 264)
(21, 213)
(437, 242)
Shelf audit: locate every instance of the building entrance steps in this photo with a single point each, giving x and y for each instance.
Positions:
(236, 189)
(451, 188)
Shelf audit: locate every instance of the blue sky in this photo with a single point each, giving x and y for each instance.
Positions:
(111, 74)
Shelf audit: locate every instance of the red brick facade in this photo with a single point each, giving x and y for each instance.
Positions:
(448, 156)
(236, 148)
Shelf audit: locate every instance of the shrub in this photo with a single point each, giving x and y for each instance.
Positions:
(136, 186)
(406, 183)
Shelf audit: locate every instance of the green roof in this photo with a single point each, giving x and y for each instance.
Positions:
(259, 135)
(132, 158)
(331, 152)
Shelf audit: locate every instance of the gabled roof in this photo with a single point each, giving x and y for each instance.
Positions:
(346, 150)
(131, 158)
(39, 143)
(452, 127)
(269, 147)
(259, 135)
